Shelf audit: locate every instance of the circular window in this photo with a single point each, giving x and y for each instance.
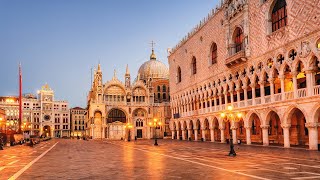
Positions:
(47, 117)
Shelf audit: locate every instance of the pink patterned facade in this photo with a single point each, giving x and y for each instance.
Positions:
(259, 56)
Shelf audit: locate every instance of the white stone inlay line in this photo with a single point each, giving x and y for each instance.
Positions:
(17, 174)
(187, 160)
(310, 177)
(1, 168)
(13, 162)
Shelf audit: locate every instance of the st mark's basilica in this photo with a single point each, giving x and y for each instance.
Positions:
(118, 110)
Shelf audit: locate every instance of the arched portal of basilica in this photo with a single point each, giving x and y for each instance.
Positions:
(115, 125)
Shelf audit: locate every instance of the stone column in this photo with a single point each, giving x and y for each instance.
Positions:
(215, 103)
(220, 100)
(248, 135)
(183, 134)
(262, 93)
(103, 132)
(234, 134)
(204, 131)
(189, 133)
(226, 99)
(223, 139)
(271, 81)
(196, 134)
(286, 135)
(172, 134)
(211, 104)
(245, 91)
(313, 135)
(253, 91)
(238, 96)
(212, 134)
(310, 82)
(231, 97)
(178, 134)
(265, 134)
(282, 87)
(294, 83)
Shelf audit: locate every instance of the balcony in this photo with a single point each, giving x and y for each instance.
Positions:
(258, 101)
(236, 55)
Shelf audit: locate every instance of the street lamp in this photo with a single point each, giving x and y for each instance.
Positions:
(156, 125)
(7, 124)
(1, 123)
(231, 116)
(129, 127)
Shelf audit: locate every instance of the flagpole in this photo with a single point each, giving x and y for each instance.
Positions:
(20, 99)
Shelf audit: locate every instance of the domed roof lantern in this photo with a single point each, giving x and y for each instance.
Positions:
(153, 56)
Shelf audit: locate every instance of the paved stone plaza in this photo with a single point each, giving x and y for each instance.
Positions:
(78, 159)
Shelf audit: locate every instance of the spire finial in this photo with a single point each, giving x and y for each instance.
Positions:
(153, 56)
(99, 67)
(127, 70)
(114, 74)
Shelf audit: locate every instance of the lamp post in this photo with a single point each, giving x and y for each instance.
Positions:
(1, 123)
(92, 126)
(129, 127)
(7, 124)
(231, 116)
(156, 125)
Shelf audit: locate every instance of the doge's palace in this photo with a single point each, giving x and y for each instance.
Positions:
(262, 58)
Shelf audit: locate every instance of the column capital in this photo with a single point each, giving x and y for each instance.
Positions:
(233, 128)
(294, 73)
(311, 125)
(253, 85)
(271, 80)
(264, 126)
(262, 83)
(244, 87)
(281, 77)
(285, 126)
(222, 128)
(247, 127)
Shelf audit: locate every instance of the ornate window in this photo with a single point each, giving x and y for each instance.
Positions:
(238, 39)
(214, 53)
(194, 65)
(179, 75)
(279, 15)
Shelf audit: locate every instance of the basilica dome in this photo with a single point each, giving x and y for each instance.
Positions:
(153, 69)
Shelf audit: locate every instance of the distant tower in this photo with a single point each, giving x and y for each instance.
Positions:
(97, 84)
(127, 78)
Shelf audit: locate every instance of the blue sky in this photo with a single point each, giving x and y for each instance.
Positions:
(59, 41)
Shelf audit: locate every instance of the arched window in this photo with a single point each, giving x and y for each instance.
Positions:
(194, 65)
(214, 53)
(279, 15)
(164, 88)
(238, 39)
(179, 74)
(158, 88)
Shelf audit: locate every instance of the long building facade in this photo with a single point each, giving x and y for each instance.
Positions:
(118, 110)
(262, 58)
(41, 114)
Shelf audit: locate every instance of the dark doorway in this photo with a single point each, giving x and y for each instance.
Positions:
(139, 133)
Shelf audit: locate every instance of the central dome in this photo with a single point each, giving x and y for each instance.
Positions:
(153, 69)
